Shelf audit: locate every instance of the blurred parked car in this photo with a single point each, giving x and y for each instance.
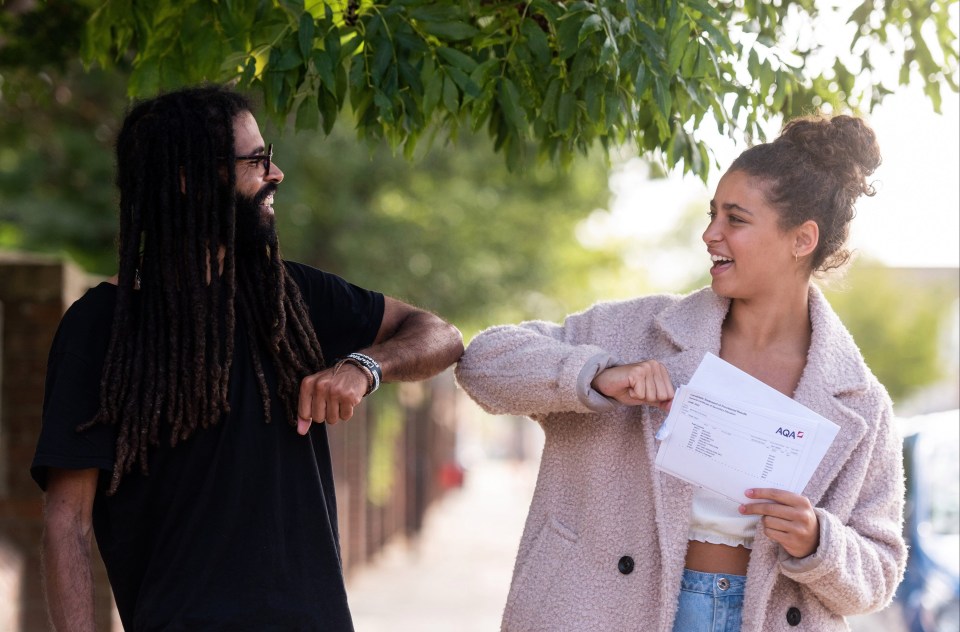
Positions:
(929, 597)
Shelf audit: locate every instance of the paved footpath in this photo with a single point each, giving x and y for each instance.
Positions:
(455, 577)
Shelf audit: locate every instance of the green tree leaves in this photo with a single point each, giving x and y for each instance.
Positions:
(565, 74)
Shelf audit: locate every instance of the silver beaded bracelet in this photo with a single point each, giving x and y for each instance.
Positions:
(371, 365)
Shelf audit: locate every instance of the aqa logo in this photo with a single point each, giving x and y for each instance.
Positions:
(786, 432)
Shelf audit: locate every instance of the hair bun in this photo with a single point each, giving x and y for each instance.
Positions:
(841, 145)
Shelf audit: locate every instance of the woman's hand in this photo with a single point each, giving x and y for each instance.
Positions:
(645, 382)
(788, 520)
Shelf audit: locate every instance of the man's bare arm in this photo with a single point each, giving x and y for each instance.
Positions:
(413, 344)
(67, 539)
(410, 345)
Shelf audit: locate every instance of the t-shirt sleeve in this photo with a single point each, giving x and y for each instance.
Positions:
(345, 317)
(71, 398)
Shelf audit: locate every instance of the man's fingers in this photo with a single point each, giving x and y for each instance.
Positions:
(333, 411)
(305, 399)
(319, 410)
(328, 397)
(325, 397)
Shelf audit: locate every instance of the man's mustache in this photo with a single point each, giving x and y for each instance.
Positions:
(265, 192)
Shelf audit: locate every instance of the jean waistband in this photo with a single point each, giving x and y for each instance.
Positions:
(716, 584)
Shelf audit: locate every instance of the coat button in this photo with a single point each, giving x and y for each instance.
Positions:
(793, 616)
(625, 565)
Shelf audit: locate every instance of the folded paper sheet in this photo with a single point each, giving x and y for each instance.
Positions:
(728, 432)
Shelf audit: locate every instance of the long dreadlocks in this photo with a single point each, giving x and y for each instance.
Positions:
(171, 347)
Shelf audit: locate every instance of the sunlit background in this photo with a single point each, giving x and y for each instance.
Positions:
(454, 232)
(912, 221)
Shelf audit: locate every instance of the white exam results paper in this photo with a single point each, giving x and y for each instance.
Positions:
(751, 436)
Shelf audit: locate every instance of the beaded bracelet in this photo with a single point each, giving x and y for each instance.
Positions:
(369, 366)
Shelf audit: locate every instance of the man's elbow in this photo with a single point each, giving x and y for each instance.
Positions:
(454, 342)
(443, 337)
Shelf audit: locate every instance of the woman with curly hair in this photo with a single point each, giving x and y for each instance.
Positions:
(610, 542)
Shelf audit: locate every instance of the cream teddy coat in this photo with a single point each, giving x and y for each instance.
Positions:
(599, 499)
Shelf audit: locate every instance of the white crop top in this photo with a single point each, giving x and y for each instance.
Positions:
(716, 519)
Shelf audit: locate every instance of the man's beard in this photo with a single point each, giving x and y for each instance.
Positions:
(257, 262)
(256, 231)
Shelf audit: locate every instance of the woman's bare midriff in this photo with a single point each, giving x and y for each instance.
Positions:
(717, 558)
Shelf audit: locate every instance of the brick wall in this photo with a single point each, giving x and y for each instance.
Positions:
(34, 293)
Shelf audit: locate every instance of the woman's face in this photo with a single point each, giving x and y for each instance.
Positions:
(751, 255)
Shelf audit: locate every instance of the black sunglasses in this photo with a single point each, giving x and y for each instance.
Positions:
(266, 159)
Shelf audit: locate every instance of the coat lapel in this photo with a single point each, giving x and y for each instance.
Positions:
(834, 370)
(694, 323)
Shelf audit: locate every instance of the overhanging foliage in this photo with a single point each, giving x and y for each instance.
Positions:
(564, 75)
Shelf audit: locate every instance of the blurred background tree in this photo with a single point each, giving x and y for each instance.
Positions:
(899, 319)
(57, 126)
(455, 231)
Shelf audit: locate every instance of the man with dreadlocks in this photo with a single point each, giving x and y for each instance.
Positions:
(185, 398)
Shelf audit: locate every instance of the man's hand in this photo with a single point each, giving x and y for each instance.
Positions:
(411, 344)
(645, 382)
(330, 396)
(788, 520)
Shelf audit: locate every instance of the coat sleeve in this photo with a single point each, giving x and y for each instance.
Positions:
(538, 368)
(860, 563)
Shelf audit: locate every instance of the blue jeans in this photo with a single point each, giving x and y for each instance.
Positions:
(709, 602)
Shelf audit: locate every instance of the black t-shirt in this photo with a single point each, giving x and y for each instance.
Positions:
(235, 528)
